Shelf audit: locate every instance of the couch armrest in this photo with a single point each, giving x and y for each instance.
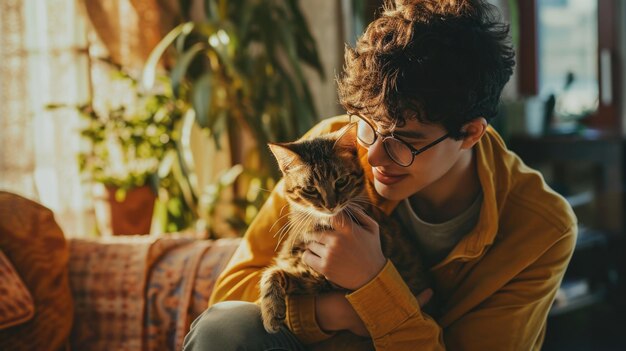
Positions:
(16, 304)
(36, 247)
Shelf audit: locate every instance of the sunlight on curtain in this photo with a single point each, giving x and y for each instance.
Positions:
(17, 161)
(43, 60)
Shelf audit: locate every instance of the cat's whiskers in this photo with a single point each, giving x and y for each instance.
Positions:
(352, 217)
(354, 209)
(294, 218)
(305, 221)
(362, 199)
(332, 221)
(278, 221)
(301, 220)
(283, 233)
(282, 229)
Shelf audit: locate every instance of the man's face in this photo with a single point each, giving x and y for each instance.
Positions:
(395, 182)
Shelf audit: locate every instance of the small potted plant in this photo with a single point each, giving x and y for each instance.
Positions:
(124, 149)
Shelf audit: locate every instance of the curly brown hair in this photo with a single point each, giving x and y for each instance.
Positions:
(439, 61)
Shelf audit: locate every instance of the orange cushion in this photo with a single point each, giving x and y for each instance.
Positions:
(33, 242)
(16, 304)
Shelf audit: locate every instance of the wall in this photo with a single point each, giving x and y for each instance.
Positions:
(325, 19)
(621, 57)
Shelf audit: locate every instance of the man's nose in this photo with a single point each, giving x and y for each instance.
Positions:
(377, 155)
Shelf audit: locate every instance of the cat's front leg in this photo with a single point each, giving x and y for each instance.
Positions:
(273, 293)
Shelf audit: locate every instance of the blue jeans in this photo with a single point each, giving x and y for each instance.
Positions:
(236, 326)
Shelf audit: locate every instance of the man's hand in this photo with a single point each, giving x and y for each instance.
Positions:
(334, 312)
(350, 255)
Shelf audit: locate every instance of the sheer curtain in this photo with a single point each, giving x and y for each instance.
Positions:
(46, 56)
(43, 59)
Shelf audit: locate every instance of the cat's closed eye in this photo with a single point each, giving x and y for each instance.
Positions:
(341, 183)
(310, 190)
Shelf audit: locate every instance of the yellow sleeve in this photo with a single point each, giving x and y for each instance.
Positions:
(392, 314)
(240, 279)
(511, 319)
(301, 319)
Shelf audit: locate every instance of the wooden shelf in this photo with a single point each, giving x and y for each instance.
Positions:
(598, 201)
(603, 150)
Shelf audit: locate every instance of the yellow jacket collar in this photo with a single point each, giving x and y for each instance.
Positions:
(483, 235)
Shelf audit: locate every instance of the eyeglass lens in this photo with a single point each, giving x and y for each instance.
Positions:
(397, 150)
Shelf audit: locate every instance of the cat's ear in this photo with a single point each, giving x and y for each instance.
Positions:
(286, 157)
(347, 138)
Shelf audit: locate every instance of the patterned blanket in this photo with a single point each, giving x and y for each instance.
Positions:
(141, 293)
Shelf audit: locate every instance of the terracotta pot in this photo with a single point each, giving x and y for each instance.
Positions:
(131, 216)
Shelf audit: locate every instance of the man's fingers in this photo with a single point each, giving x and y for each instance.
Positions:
(318, 236)
(364, 220)
(316, 248)
(311, 260)
(424, 297)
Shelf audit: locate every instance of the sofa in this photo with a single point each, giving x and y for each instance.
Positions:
(116, 293)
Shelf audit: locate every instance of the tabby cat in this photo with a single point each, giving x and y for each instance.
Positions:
(323, 177)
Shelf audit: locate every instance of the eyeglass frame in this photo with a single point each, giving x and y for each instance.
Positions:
(414, 151)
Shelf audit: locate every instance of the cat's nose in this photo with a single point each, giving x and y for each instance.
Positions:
(331, 202)
(330, 207)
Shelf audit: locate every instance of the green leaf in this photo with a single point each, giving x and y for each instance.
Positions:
(228, 177)
(166, 165)
(288, 42)
(305, 45)
(303, 113)
(246, 18)
(185, 154)
(188, 193)
(202, 98)
(212, 9)
(150, 69)
(180, 69)
(218, 127)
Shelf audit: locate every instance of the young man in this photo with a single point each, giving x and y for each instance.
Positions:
(421, 85)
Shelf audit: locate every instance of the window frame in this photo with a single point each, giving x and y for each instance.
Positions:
(608, 115)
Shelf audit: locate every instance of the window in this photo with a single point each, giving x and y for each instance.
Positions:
(575, 39)
(43, 60)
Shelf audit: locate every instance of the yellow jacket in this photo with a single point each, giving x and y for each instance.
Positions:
(497, 284)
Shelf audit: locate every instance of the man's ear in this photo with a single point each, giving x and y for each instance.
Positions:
(473, 131)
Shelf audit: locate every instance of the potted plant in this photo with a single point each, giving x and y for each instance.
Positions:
(239, 73)
(123, 158)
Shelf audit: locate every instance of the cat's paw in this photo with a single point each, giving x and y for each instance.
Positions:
(273, 316)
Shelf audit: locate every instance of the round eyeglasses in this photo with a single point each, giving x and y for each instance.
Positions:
(398, 150)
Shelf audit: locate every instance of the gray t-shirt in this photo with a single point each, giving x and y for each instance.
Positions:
(436, 240)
